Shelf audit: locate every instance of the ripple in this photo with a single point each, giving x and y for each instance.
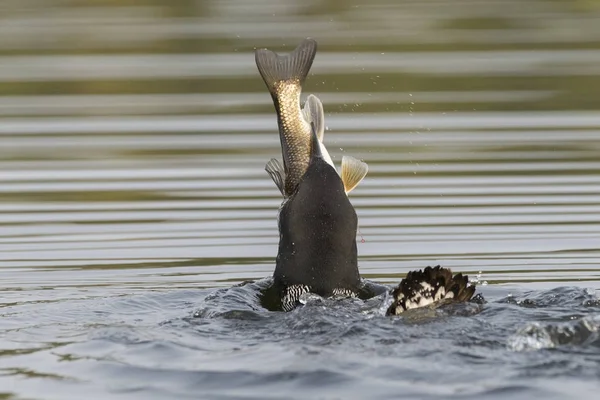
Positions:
(134, 203)
(583, 332)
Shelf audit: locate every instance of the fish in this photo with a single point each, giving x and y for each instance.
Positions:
(284, 76)
(353, 171)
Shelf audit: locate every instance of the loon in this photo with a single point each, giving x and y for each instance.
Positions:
(317, 236)
(317, 223)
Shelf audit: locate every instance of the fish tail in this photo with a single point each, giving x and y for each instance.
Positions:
(424, 287)
(275, 68)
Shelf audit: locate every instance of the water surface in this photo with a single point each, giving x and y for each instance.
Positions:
(134, 202)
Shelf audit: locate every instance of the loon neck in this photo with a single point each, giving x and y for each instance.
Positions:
(317, 226)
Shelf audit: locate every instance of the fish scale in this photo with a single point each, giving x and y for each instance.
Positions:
(284, 76)
(296, 131)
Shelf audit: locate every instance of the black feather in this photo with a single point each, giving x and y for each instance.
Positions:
(428, 286)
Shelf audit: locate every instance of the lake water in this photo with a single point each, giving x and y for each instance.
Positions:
(134, 201)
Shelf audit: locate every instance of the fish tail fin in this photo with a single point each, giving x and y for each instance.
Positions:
(275, 68)
(424, 287)
(276, 172)
(353, 172)
(313, 112)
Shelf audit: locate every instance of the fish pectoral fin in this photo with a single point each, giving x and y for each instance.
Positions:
(353, 172)
(276, 172)
(275, 68)
(313, 112)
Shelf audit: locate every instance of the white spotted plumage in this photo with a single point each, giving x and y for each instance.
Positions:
(293, 293)
(427, 287)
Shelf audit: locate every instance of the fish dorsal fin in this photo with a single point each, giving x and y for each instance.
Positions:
(276, 172)
(275, 68)
(353, 172)
(313, 112)
(315, 144)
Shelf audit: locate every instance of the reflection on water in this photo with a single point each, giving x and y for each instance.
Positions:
(134, 137)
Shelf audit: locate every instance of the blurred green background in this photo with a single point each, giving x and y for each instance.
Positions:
(547, 52)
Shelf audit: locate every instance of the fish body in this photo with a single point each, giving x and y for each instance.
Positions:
(284, 76)
(352, 171)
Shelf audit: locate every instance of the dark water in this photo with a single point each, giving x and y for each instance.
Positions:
(133, 200)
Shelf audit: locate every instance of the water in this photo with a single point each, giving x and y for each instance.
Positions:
(133, 199)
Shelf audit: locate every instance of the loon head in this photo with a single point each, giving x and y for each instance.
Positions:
(317, 231)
